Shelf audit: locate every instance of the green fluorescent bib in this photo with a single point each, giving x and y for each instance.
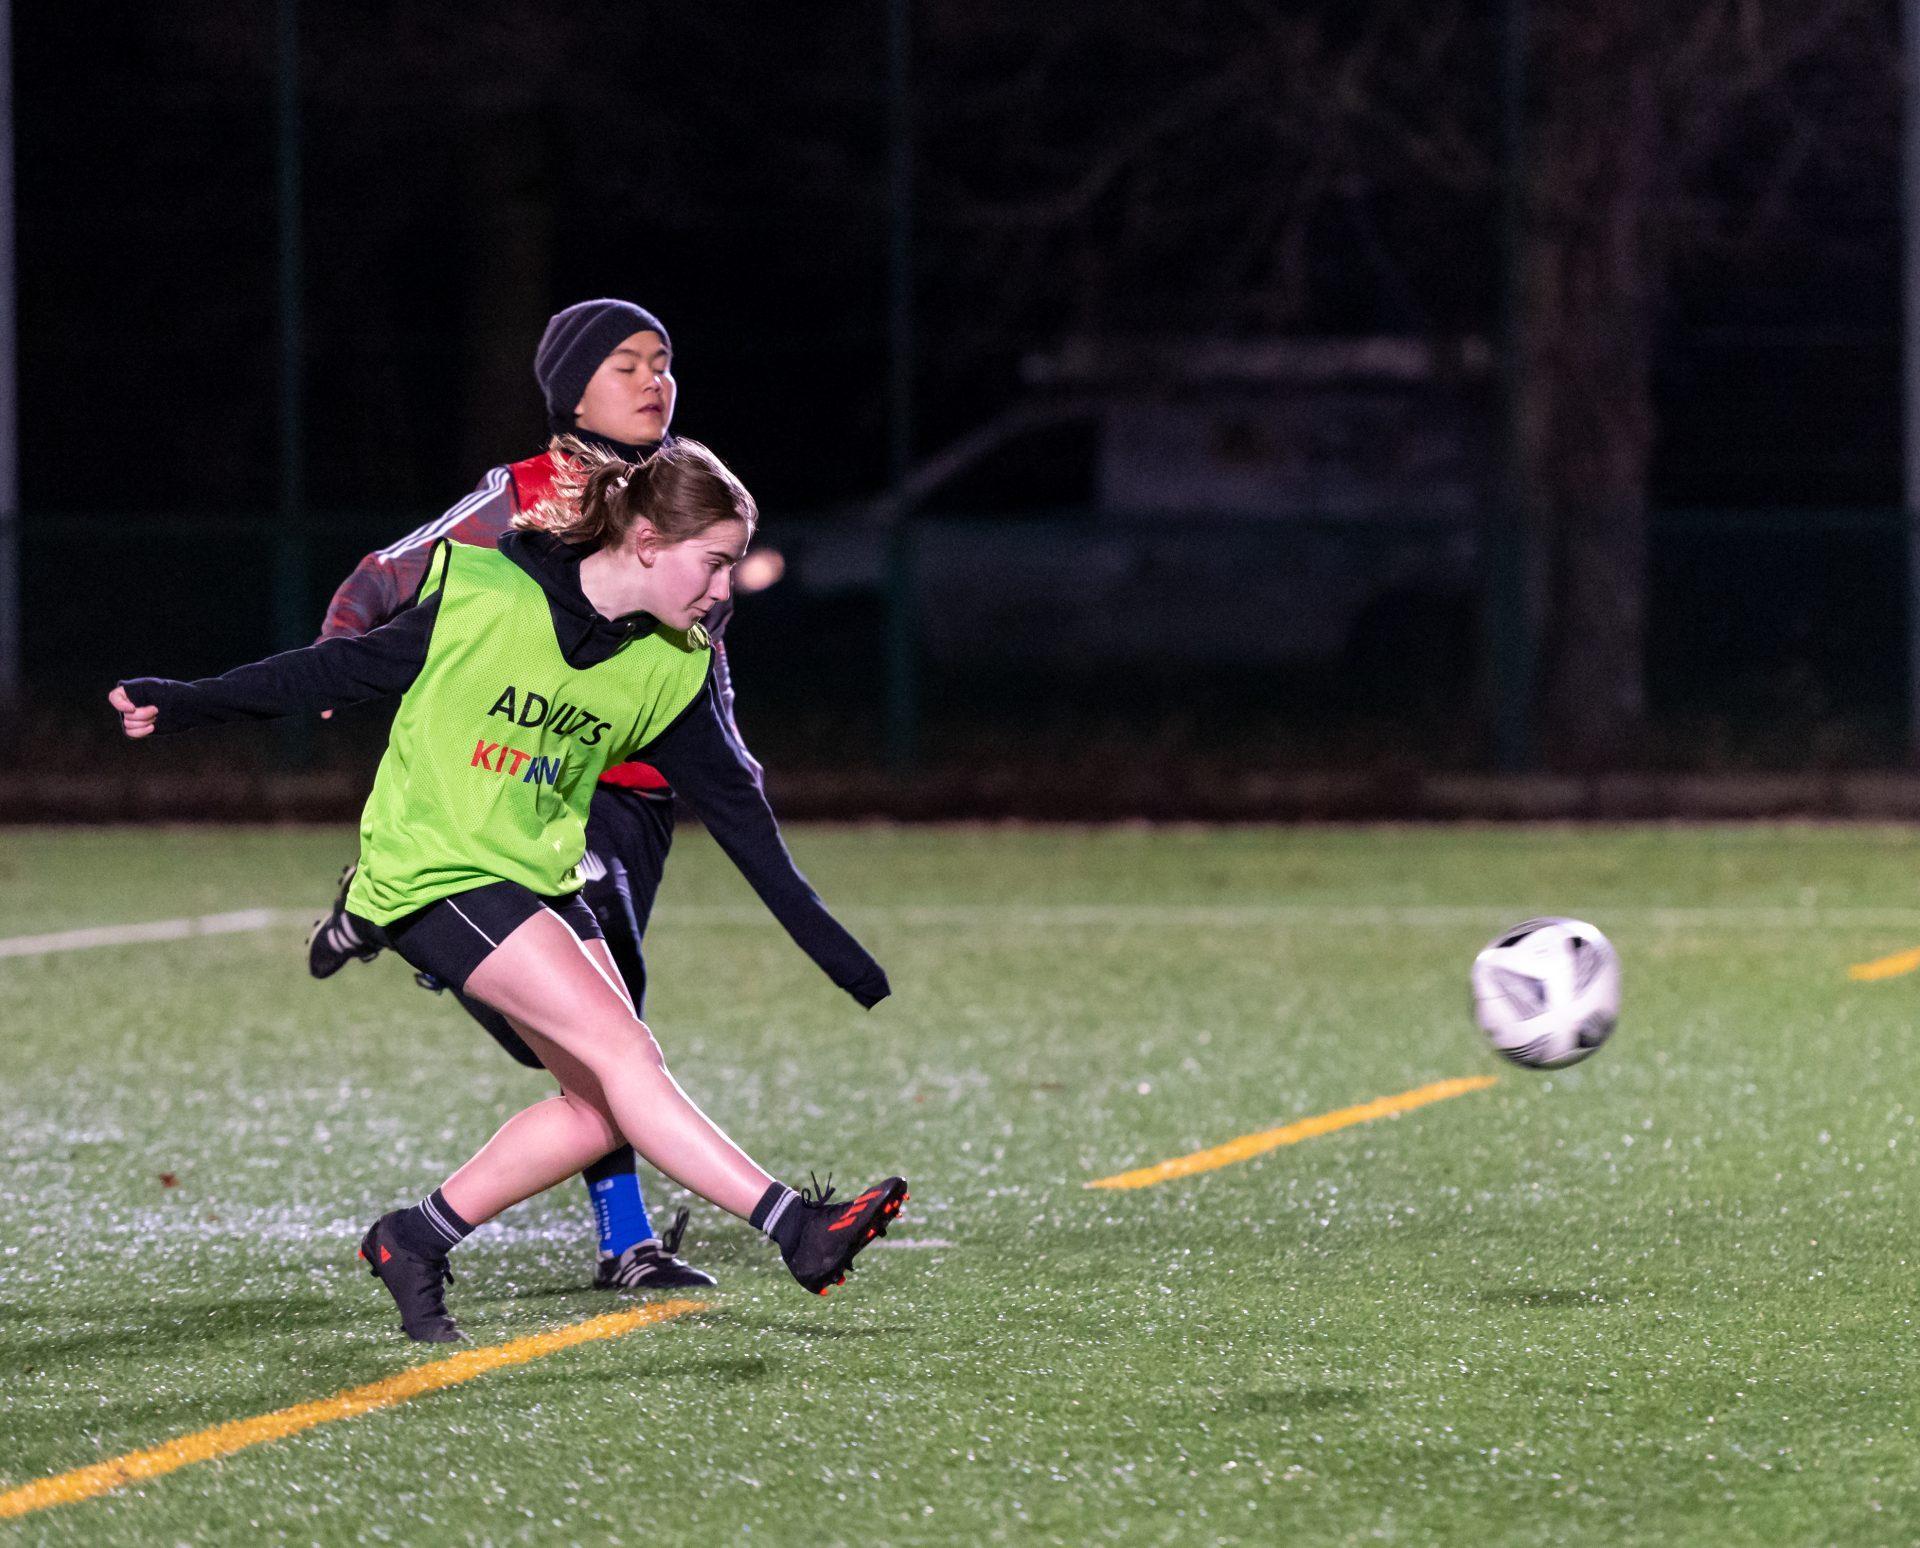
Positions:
(498, 744)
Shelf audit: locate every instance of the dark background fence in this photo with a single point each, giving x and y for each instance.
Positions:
(1533, 271)
(1051, 648)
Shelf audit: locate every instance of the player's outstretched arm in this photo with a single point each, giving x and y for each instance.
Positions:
(324, 675)
(706, 762)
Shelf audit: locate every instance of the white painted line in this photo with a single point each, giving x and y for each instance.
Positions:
(914, 1243)
(133, 934)
(1072, 916)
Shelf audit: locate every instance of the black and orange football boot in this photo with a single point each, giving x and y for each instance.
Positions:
(832, 1234)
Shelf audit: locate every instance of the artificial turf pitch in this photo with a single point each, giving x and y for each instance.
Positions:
(1665, 1297)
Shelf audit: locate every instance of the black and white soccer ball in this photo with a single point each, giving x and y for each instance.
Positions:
(1547, 992)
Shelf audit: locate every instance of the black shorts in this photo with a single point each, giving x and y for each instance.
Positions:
(628, 835)
(452, 937)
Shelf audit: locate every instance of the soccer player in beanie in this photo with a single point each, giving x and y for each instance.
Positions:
(605, 372)
(524, 672)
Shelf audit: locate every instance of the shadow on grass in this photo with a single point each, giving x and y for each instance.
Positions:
(588, 1300)
(1542, 1297)
(128, 1423)
(200, 1322)
(520, 1295)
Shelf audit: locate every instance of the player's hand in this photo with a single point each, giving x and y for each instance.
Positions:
(135, 719)
(871, 989)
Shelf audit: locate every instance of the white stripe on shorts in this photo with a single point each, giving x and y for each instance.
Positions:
(476, 929)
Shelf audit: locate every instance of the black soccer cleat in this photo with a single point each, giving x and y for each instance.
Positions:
(418, 1285)
(652, 1265)
(831, 1235)
(333, 942)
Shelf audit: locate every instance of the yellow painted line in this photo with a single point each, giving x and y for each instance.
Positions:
(1886, 967)
(83, 1483)
(1248, 1146)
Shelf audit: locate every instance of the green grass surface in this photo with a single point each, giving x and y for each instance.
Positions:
(1665, 1297)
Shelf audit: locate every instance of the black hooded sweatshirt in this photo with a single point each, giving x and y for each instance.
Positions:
(698, 753)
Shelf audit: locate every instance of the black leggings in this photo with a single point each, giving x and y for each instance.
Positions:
(628, 836)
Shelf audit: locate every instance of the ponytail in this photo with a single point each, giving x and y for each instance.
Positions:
(681, 490)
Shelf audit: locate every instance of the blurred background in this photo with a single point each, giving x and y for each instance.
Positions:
(1213, 410)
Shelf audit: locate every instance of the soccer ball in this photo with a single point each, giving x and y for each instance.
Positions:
(1547, 992)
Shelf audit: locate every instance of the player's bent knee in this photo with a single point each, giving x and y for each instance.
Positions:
(647, 1047)
(609, 1047)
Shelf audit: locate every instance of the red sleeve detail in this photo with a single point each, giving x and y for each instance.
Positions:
(532, 479)
(365, 600)
(636, 776)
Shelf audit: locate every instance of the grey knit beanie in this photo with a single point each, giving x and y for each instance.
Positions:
(577, 340)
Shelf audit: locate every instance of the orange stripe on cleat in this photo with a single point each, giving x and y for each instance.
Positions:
(853, 1210)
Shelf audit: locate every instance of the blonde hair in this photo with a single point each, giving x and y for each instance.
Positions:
(682, 490)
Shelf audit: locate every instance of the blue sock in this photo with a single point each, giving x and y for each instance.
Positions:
(618, 1209)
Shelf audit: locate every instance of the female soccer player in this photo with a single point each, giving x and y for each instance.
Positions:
(524, 672)
(605, 371)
